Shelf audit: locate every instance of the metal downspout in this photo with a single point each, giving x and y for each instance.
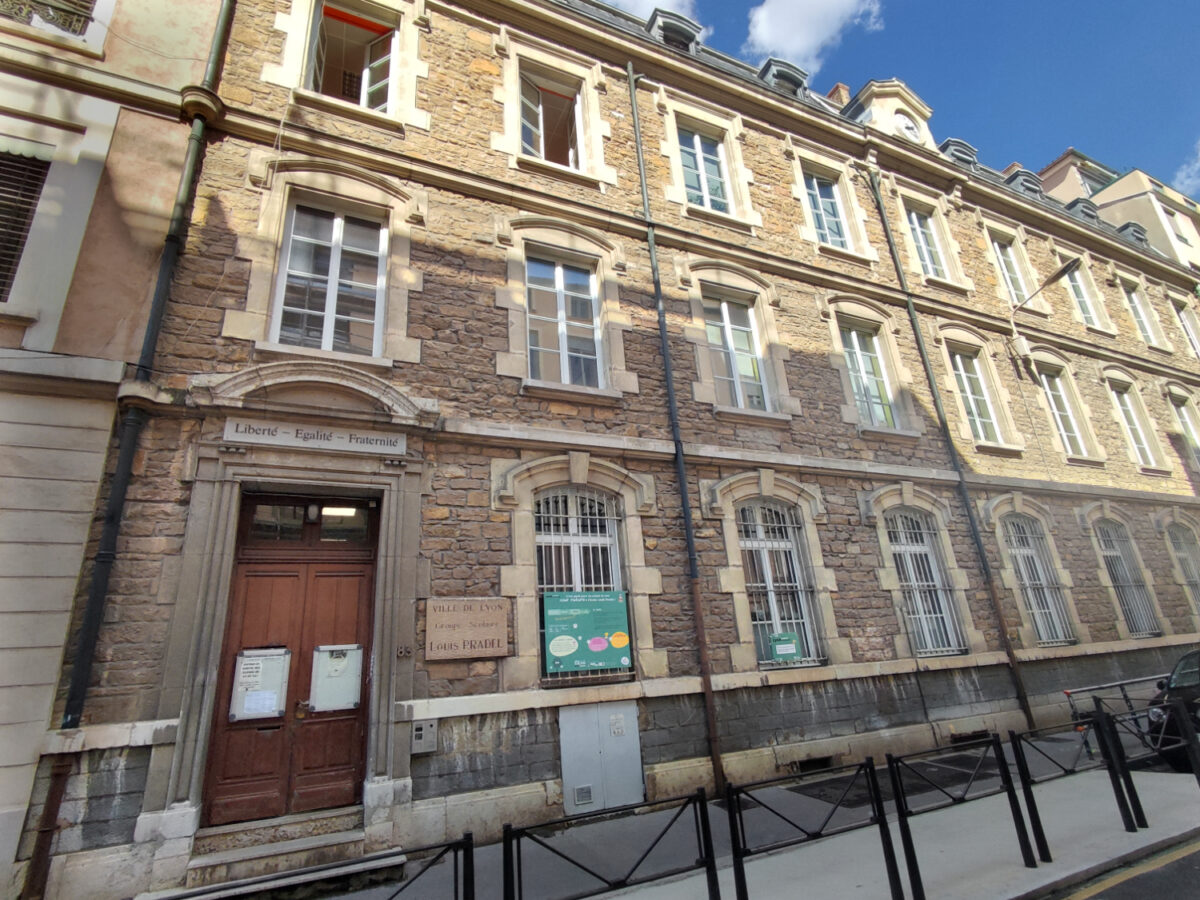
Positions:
(135, 419)
(961, 482)
(710, 709)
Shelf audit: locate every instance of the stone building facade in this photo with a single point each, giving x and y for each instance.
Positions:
(880, 363)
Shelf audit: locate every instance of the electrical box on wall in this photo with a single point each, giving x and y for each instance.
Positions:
(424, 736)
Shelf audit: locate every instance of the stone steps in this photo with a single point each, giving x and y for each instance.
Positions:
(219, 838)
(274, 857)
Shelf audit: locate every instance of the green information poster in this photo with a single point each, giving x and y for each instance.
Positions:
(586, 631)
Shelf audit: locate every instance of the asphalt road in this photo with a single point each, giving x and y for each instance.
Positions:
(1171, 875)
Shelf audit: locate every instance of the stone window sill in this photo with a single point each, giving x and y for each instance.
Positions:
(348, 110)
(1155, 471)
(1106, 330)
(718, 218)
(753, 416)
(852, 256)
(1000, 449)
(543, 167)
(1091, 461)
(553, 390)
(332, 355)
(904, 435)
(946, 284)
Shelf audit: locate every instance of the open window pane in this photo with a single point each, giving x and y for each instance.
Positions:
(352, 58)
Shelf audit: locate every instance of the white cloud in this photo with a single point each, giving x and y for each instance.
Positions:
(803, 31)
(643, 8)
(1187, 176)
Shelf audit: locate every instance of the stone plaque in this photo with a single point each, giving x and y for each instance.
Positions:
(460, 628)
(318, 437)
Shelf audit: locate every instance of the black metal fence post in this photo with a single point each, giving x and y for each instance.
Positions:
(1014, 805)
(885, 833)
(737, 841)
(906, 840)
(510, 874)
(1035, 818)
(1135, 802)
(1111, 766)
(468, 867)
(706, 844)
(1187, 731)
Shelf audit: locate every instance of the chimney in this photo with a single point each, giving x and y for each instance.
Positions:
(1012, 167)
(839, 94)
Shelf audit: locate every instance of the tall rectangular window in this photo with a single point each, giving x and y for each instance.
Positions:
(704, 171)
(1187, 321)
(933, 627)
(1185, 413)
(334, 277)
(826, 211)
(779, 581)
(921, 227)
(1038, 579)
(563, 325)
(1006, 257)
(1187, 554)
(1122, 395)
(1137, 309)
(868, 380)
(1116, 550)
(974, 395)
(734, 353)
(1060, 407)
(550, 120)
(1080, 295)
(352, 59)
(21, 182)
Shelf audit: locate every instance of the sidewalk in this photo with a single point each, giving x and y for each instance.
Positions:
(967, 852)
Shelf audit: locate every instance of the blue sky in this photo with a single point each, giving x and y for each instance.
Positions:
(1118, 80)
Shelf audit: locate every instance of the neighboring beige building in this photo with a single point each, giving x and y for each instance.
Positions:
(409, 433)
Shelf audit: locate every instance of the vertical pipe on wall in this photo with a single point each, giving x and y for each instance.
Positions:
(710, 709)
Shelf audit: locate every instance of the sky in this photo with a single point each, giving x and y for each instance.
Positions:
(1021, 81)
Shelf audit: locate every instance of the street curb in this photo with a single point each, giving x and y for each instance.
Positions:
(1073, 879)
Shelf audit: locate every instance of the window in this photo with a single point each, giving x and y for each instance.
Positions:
(66, 16)
(825, 210)
(1137, 309)
(331, 289)
(575, 532)
(868, 379)
(1185, 414)
(780, 585)
(1059, 398)
(550, 120)
(21, 181)
(1038, 579)
(1079, 293)
(1187, 555)
(1132, 417)
(1187, 321)
(928, 607)
(974, 395)
(563, 324)
(1010, 272)
(704, 170)
(922, 229)
(352, 59)
(1125, 575)
(734, 354)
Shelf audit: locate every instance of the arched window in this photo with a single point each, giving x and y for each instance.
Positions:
(576, 538)
(1116, 550)
(933, 627)
(1187, 554)
(780, 585)
(1038, 579)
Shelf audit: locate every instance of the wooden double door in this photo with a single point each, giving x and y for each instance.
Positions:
(299, 619)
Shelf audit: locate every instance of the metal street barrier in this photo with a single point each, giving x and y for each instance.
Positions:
(796, 809)
(933, 779)
(463, 874)
(667, 823)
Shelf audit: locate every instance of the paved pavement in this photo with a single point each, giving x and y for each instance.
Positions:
(1173, 873)
(966, 852)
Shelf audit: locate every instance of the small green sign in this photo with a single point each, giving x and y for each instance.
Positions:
(586, 631)
(785, 645)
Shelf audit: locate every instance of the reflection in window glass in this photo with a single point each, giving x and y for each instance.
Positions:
(344, 524)
(277, 522)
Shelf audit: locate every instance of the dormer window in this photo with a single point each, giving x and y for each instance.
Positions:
(677, 38)
(675, 31)
(783, 76)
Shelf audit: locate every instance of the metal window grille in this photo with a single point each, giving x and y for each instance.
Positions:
(1038, 579)
(1006, 255)
(1116, 550)
(868, 380)
(70, 16)
(974, 395)
(779, 581)
(1187, 554)
(576, 533)
(21, 180)
(733, 352)
(1064, 418)
(933, 626)
(703, 160)
(826, 213)
(923, 237)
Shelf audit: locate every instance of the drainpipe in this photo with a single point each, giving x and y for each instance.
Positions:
(964, 491)
(689, 533)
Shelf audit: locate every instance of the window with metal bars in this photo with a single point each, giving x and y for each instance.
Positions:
(1038, 579)
(69, 16)
(779, 582)
(1116, 549)
(933, 626)
(577, 543)
(1187, 554)
(21, 181)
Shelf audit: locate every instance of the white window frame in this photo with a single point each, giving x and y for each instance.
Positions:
(564, 322)
(695, 142)
(740, 385)
(973, 380)
(811, 160)
(532, 80)
(1185, 312)
(1004, 252)
(873, 395)
(1059, 399)
(972, 383)
(1145, 319)
(826, 209)
(922, 229)
(1183, 404)
(386, 33)
(1130, 411)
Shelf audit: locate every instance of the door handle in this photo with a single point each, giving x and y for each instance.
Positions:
(302, 709)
